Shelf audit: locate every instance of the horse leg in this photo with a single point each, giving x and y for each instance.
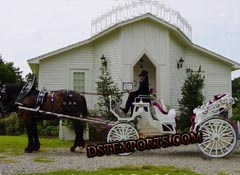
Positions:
(36, 143)
(30, 145)
(79, 140)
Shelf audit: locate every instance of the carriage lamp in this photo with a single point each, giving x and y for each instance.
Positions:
(104, 61)
(180, 63)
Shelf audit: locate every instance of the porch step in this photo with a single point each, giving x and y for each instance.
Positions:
(147, 129)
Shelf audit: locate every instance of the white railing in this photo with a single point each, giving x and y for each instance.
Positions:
(137, 8)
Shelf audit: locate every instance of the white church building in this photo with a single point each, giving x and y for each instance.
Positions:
(139, 35)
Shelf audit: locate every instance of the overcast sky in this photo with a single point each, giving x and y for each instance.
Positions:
(29, 28)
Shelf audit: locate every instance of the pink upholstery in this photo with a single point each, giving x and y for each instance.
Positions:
(160, 108)
(192, 119)
(216, 97)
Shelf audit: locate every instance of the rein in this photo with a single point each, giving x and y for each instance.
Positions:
(90, 93)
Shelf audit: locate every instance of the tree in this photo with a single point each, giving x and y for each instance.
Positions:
(236, 94)
(29, 77)
(106, 87)
(192, 97)
(9, 73)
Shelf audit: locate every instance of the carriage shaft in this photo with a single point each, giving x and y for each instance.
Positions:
(86, 119)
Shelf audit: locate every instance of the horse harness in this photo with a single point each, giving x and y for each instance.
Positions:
(41, 98)
(69, 103)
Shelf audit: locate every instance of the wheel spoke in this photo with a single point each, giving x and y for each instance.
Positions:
(211, 148)
(219, 130)
(223, 145)
(223, 130)
(229, 133)
(206, 142)
(206, 147)
(229, 143)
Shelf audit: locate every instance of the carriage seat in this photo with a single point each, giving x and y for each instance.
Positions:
(161, 113)
(216, 98)
(143, 98)
(161, 107)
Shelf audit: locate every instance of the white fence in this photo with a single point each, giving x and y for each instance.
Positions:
(138, 8)
(65, 133)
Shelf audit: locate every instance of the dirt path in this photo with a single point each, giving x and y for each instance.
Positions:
(183, 156)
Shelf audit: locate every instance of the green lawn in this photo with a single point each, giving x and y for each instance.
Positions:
(14, 145)
(127, 170)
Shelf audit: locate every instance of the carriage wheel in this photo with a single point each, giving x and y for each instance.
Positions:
(219, 138)
(122, 132)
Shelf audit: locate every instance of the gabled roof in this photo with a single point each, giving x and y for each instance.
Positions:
(171, 27)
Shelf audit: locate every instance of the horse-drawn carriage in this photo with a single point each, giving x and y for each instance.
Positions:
(153, 118)
(219, 137)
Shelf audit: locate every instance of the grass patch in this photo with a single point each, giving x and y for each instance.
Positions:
(127, 170)
(42, 159)
(221, 173)
(14, 145)
(8, 161)
(3, 157)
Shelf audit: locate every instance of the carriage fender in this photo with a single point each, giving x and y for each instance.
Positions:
(199, 117)
(172, 114)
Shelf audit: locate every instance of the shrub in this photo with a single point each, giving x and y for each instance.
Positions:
(2, 127)
(106, 87)
(98, 132)
(11, 125)
(192, 97)
(48, 128)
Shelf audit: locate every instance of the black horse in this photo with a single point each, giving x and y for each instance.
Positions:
(61, 101)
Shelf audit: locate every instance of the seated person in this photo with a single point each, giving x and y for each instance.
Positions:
(143, 89)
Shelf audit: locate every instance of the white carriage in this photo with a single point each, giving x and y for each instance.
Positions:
(153, 118)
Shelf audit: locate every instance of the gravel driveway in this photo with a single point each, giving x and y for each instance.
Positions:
(183, 156)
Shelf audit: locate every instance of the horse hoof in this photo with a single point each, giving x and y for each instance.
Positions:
(36, 148)
(78, 149)
(28, 151)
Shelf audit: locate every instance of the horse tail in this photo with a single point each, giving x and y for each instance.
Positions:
(84, 107)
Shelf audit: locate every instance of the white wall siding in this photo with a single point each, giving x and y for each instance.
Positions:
(217, 73)
(177, 76)
(110, 48)
(54, 72)
(144, 37)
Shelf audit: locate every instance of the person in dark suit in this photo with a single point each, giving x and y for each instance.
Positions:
(143, 89)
